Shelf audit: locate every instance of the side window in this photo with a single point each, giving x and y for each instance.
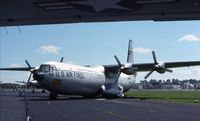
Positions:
(46, 68)
(52, 70)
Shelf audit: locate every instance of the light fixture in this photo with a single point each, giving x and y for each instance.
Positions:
(54, 5)
(154, 1)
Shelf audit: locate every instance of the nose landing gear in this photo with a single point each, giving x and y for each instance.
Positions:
(43, 91)
(53, 96)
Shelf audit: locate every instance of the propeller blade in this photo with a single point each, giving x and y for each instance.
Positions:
(28, 64)
(116, 81)
(119, 63)
(29, 78)
(168, 70)
(154, 58)
(61, 60)
(149, 74)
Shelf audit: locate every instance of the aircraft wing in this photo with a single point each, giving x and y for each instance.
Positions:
(23, 82)
(149, 66)
(17, 69)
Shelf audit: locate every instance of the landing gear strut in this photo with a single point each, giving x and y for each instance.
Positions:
(53, 95)
(33, 90)
(43, 91)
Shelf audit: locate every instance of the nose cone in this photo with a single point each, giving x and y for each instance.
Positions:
(39, 76)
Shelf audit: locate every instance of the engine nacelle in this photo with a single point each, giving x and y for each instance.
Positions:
(112, 91)
(128, 69)
(159, 67)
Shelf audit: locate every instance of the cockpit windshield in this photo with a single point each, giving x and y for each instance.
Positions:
(47, 68)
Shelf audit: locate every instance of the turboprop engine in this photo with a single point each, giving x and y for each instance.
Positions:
(159, 67)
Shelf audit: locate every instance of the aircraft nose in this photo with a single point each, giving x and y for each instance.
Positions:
(39, 76)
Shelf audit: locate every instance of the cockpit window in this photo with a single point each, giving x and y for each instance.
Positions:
(47, 68)
(44, 67)
(52, 68)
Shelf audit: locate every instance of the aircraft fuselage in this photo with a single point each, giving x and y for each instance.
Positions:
(71, 79)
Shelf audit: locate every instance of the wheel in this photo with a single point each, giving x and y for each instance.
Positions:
(89, 97)
(43, 91)
(53, 95)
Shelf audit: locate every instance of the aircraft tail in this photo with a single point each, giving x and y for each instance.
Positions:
(130, 52)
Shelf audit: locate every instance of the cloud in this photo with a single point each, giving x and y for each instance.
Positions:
(49, 49)
(14, 65)
(189, 38)
(140, 50)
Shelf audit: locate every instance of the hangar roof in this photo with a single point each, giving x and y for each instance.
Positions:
(32, 12)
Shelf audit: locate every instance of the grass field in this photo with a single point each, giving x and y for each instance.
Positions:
(165, 95)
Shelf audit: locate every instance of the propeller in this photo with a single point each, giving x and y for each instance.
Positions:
(126, 68)
(149, 73)
(61, 60)
(28, 64)
(116, 58)
(32, 70)
(159, 67)
(120, 69)
(154, 58)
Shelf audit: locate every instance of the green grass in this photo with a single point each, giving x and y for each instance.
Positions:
(172, 96)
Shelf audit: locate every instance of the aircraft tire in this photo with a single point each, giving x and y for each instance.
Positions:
(53, 96)
(43, 91)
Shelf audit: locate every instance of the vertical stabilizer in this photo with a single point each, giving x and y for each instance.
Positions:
(130, 52)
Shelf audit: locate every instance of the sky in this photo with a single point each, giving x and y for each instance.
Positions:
(97, 43)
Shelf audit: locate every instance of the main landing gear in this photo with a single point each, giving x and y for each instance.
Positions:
(43, 91)
(53, 96)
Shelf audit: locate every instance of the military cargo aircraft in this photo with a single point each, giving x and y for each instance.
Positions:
(106, 80)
